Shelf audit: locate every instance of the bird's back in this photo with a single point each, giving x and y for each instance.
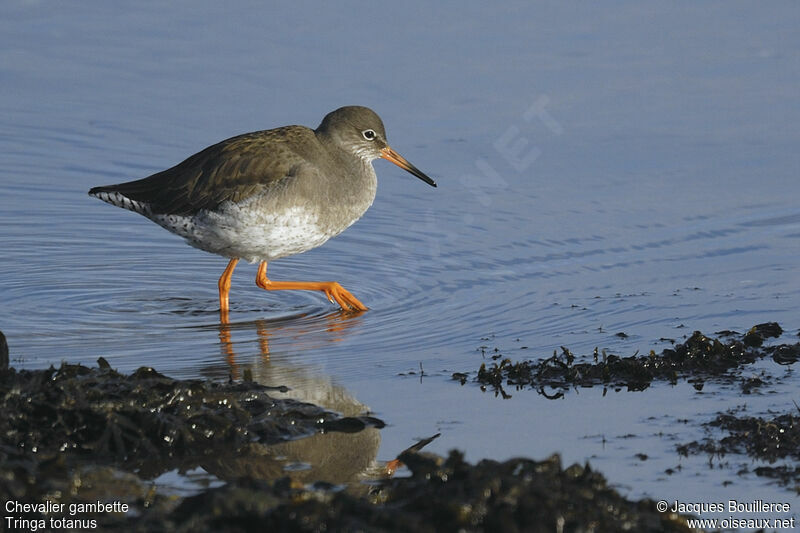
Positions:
(231, 170)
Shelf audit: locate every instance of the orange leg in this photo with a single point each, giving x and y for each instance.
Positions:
(224, 288)
(332, 290)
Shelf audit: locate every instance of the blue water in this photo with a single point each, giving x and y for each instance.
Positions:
(630, 169)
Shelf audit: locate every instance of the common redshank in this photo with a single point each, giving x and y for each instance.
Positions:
(269, 194)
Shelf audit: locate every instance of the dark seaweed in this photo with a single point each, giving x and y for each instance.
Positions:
(700, 357)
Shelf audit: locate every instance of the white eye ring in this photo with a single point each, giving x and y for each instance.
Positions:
(369, 135)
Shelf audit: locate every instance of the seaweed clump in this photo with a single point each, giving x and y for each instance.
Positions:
(442, 494)
(765, 439)
(144, 422)
(700, 355)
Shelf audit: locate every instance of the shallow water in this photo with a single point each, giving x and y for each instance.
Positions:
(599, 172)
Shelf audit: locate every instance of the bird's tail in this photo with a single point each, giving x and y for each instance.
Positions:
(110, 194)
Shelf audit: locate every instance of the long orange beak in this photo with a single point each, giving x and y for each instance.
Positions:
(390, 155)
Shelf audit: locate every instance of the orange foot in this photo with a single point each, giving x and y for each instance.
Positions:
(334, 291)
(340, 295)
(392, 466)
(224, 289)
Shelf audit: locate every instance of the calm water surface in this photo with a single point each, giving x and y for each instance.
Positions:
(599, 171)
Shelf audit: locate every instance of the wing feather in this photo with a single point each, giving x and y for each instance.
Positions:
(231, 170)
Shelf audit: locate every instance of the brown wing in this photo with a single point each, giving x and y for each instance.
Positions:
(230, 170)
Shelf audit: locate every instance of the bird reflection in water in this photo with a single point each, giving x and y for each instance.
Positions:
(331, 327)
(334, 457)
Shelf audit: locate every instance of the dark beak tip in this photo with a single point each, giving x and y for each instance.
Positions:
(426, 179)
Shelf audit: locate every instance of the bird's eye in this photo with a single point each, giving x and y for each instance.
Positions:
(368, 134)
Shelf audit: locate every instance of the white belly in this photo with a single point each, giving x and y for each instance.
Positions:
(249, 234)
